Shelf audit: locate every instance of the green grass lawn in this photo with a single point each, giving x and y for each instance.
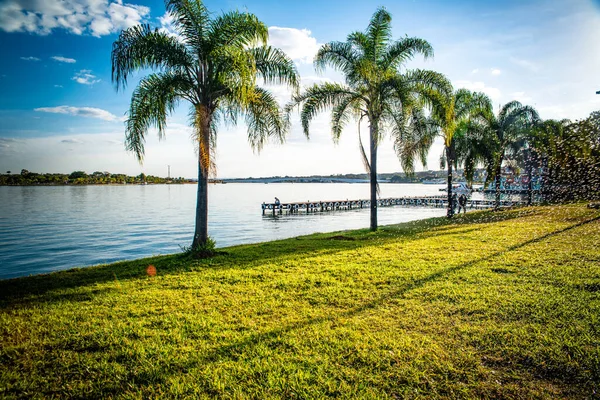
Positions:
(489, 305)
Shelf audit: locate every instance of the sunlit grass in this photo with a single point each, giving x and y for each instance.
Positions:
(490, 305)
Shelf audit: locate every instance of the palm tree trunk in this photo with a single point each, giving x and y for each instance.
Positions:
(373, 173)
(449, 161)
(497, 180)
(529, 176)
(201, 231)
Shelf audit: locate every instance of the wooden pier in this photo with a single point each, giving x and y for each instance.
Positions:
(338, 205)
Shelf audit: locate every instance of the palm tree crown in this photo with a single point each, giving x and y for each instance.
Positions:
(375, 88)
(213, 64)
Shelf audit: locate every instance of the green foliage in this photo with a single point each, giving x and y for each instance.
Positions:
(568, 153)
(77, 175)
(486, 305)
(203, 250)
(81, 178)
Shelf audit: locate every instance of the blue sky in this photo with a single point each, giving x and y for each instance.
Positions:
(59, 111)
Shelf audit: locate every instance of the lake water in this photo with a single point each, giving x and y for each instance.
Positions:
(50, 228)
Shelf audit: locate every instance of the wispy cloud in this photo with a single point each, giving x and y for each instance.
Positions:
(30, 58)
(85, 77)
(89, 112)
(495, 71)
(98, 17)
(64, 59)
(6, 140)
(58, 86)
(72, 141)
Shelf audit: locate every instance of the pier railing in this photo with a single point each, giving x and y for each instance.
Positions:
(337, 205)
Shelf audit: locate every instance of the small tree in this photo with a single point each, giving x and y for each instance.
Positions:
(77, 175)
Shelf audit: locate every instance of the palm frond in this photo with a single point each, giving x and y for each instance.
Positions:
(414, 134)
(264, 119)
(155, 97)
(342, 113)
(191, 19)
(432, 86)
(404, 50)
(360, 43)
(379, 33)
(318, 98)
(141, 47)
(237, 29)
(338, 55)
(274, 66)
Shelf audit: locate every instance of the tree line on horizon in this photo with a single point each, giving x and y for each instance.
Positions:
(26, 177)
(213, 62)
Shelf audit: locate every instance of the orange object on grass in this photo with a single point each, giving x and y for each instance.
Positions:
(151, 270)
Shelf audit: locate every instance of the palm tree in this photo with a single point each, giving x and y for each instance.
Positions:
(447, 120)
(213, 64)
(376, 88)
(504, 135)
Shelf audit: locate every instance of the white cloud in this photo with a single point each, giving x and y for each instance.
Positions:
(58, 86)
(64, 59)
(475, 71)
(167, 26)
(85, 77)
(298, 44)
(30, 58)
(97, 17)
(478, 86)
(496, 71)
(90, 112)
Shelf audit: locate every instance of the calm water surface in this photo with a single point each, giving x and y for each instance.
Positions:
(44, 229)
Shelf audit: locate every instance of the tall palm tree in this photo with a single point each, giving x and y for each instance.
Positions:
(376, 88)
(213, 64)
(505, 134)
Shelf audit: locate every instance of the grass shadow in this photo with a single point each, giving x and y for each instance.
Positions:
(234, 350)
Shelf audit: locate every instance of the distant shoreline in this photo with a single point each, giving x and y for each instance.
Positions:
(98, 184)
(195, 182)
(79, 178)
